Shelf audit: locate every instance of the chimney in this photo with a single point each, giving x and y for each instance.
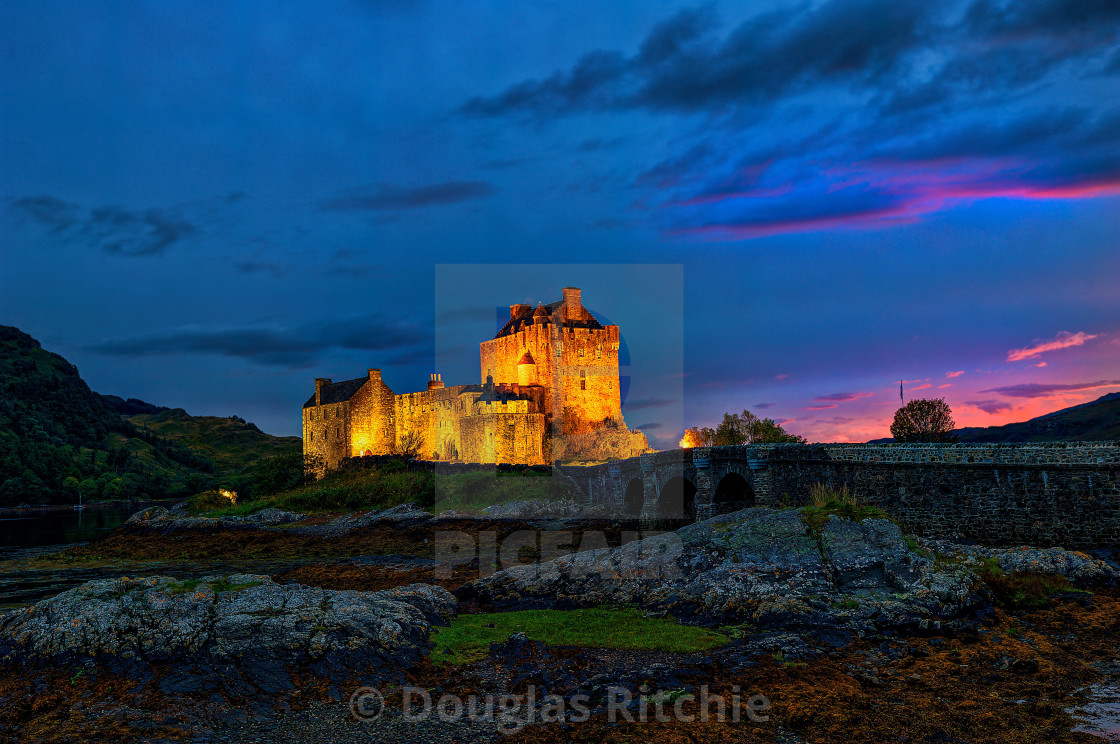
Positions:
(573, 309)
(320, 384)
(435, 382)
(374, 375)
(515, 310)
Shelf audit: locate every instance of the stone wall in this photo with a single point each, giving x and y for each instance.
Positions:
(1064, 494)
(326, 433)
(372, 422)
(579, 366)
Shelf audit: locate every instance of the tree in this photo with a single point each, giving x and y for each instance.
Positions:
(739, 428)
(924, 420)
(410, 445)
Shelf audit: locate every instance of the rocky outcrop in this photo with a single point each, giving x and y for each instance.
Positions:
(239, 633)
(541, 509)
(1081, 569)
(758, 565)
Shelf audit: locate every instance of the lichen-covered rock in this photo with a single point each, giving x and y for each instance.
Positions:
(541, 509)
(147, 515)
(242, 632)
(1080, 568)
(758, 565)
(402, 515)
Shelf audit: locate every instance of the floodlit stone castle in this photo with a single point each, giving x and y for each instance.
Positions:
(550, 368)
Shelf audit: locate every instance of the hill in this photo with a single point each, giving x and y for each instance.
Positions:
(59, 439)
(1096, 421)
(231, 444)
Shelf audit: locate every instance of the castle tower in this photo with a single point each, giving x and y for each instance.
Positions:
(562, 348)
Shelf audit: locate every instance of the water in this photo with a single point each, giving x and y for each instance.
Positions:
(27, 533)
(1100, 715)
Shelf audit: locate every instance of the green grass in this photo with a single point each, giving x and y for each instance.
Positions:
(369, 487)
(387, 484)
(469, 637)
(479, 489)
(222, 585)
(825, 502)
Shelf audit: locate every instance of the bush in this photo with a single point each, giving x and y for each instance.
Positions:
(825, 501)
(1022, 591)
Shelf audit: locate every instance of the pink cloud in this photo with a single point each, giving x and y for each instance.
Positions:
(1043, 390)
(922, 387)
(1040, 364)
(1063, 340)
(989, 406)
(947, 384)
(821, 408)
(951, 375)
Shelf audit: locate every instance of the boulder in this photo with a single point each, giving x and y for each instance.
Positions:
(758, 565)
(240, 633)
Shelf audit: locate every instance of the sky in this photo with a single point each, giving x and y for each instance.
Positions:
(208, 204)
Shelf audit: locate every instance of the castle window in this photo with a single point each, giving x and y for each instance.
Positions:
(311, 436)
(581, 351)
(583, 379)
(598, 352)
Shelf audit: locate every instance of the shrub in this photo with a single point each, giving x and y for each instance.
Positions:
(825, 501)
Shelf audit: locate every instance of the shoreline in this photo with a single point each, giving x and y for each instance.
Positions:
(46, 508)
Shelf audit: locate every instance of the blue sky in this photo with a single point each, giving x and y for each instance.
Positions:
(207, 205)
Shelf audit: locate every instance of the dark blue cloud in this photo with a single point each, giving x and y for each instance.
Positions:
(396, 198)
(286, 346)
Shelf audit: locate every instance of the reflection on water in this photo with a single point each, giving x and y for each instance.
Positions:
(1100, 716)
(37, 529)
(25, 535)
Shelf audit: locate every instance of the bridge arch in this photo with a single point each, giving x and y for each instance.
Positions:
(677, 499)
(733, 493)
(634, 498)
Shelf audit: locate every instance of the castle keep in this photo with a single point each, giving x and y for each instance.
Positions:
(549, 367)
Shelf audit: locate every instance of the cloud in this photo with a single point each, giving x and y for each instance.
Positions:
(889, 110)
(683, 65)
(1043, 390)
(259, 266)
(643, 403)
(296, 346)
(647, 427)
(821, 408)
(763, 406)
(989, 406)
(951, 375)
(1063, 340)
(115, 230)
(386, 198)
(921, 387)
(843, 397)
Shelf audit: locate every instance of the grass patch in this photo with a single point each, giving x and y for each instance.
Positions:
(184, 587)
(469, 637)
(825, 502)
(360, 486)
(1023, 591)
(222, 585)
(478, 489)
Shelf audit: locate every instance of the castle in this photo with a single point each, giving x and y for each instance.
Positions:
(549, 368)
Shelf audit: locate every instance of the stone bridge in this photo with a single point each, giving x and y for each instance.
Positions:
(1044, 494)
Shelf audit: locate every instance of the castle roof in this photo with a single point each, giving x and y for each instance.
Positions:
(336, 392)
(526, 358)
(527, 317)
